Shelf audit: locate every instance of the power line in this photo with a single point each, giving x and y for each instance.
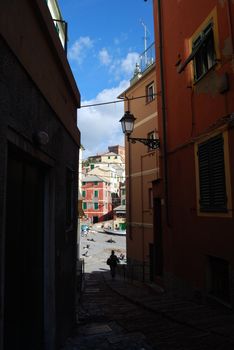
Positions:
(122, 100)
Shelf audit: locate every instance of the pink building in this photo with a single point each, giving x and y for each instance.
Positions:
(97, 200)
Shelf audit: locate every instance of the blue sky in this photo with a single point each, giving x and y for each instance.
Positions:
(105, 39)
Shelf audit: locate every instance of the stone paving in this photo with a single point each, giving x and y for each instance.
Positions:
(184, 324)
(120, 315)
(99, 320)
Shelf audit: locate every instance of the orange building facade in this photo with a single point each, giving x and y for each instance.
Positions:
(142, 169)
(195, 102)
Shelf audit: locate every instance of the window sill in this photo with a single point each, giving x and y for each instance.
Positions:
(148, 102)
(213, 210)
(196, 81)
(215, 214)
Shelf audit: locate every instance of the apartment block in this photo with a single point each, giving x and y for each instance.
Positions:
(195, 104)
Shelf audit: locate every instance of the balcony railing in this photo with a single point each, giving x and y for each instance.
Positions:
(147, 58)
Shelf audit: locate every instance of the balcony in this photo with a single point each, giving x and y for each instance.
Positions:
(145, 60)
(59, 23)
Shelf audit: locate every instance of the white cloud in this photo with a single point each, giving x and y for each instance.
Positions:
(104, 57)
(128, 64)
(118, 67)
(124, 66)
(79, 49)
(99, 125)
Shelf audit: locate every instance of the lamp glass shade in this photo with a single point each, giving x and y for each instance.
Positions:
(127, 123)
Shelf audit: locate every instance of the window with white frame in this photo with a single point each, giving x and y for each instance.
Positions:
(150, 92)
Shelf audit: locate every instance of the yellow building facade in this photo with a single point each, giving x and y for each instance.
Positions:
(142, 170)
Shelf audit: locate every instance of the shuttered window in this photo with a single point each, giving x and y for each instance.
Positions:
(204, 58)
(203, 53)
(213, 196)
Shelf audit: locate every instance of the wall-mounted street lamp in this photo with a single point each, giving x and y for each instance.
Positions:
(127, 123)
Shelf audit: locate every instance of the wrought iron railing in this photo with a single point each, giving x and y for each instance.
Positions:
(134, 271)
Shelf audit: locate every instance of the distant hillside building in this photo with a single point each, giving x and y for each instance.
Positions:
(120, 150)
(111, 158)
(110, 166)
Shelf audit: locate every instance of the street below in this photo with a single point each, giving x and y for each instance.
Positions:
(123, 315)
(96, 247)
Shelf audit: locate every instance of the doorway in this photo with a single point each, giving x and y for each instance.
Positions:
(23, 312)
(95, 219)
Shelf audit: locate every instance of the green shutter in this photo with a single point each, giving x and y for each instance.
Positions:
(213, 196)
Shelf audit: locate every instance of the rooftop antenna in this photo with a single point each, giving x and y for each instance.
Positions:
(145, 40)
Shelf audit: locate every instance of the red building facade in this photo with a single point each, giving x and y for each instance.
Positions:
(96, 198)
(195, 89)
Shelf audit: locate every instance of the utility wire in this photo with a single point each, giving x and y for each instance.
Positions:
(122, 100)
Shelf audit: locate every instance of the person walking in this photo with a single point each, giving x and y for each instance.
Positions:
(112, 261)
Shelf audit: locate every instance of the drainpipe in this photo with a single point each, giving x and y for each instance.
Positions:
(230, 23)
(129, 204)
(142, 226)
(129, 192)
(164, 117)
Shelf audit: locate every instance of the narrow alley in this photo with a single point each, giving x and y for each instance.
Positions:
(121, 315)
(124, 315)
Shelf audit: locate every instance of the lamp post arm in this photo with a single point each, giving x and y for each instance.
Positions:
(151, 143)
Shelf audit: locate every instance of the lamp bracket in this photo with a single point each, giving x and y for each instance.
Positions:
(151, 143)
